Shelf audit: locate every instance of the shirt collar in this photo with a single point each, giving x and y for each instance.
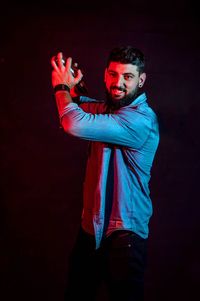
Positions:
(138, 100)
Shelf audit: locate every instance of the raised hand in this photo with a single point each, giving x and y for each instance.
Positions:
(62, 72)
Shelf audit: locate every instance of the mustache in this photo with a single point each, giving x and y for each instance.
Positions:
(118, 88)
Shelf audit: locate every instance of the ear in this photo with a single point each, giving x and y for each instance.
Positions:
(142, 79)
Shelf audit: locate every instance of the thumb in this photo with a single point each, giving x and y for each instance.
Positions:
(79, 76)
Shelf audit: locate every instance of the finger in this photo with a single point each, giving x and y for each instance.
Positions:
(79, 76)
(53, 63)
(68, 63)
(60, 60)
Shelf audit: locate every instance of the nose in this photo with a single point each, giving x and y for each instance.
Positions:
(119, 82)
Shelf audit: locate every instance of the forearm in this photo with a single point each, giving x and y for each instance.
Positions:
(63, 98)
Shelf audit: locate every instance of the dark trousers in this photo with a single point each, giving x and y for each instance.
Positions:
(119, 262)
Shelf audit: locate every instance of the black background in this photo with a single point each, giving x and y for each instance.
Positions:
(42, 168)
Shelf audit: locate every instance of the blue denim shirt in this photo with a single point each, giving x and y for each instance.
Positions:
(121, 152)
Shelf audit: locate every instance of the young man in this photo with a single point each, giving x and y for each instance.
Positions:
(124, 136)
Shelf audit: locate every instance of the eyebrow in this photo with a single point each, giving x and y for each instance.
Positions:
(126, 73)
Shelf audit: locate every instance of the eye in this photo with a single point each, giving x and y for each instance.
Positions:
(112, 74)
(128, 76)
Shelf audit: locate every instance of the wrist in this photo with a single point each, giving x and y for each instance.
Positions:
(61, 87)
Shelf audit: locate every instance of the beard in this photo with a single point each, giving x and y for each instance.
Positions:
(114, 104)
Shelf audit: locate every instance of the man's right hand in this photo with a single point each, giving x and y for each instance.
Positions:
(62, 74)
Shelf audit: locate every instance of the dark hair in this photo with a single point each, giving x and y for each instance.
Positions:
(127, 55)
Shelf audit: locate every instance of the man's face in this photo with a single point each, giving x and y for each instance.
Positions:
(122, 81)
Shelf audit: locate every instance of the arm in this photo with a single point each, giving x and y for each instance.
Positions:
(131, 129)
